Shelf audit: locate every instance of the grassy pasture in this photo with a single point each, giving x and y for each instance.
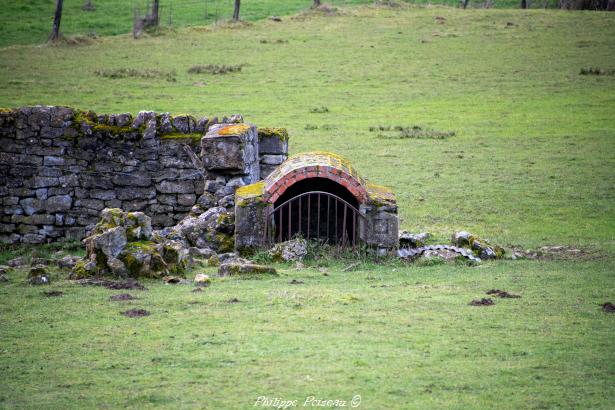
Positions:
(30, 21)
(531, 163)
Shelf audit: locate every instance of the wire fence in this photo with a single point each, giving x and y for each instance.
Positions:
(30, 22)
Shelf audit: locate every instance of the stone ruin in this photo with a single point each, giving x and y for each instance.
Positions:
(148, 191)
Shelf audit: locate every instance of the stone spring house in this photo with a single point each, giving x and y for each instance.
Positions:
(59, 167)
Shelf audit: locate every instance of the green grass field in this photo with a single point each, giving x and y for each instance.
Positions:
(531, 163)
(30, 21)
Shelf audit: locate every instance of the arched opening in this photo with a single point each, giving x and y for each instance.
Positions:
(316, 208)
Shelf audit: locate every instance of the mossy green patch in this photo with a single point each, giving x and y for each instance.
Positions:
(267, 132)
(193, 137)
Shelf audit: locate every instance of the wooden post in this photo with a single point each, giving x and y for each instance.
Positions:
(155, 13)
(55, 34)
(236, 10)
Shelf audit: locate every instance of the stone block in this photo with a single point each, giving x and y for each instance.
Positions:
(175, 187)
(231, 148)
(272, 141)
(58, 203)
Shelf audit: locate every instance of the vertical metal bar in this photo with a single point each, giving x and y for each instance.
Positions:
(344, 228)
(281, 225)
(354, 217)
(289, 223)
(336, 242)
(308, 221)
(300, 200)
(318, 219)
(328, 215)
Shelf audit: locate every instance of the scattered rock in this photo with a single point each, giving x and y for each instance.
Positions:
(3, 278)
(502, 294)
(4, 269)
(275, 18)
(292, 250)
(237, 268)
(299, 265)
(200, 253)
(481, 248)
(39, 280)
(38, 276)
(121, 244)
(233, 300)
(13, 263)
(482, 302)
(296, 282)
(197, 290)
(68, 262)
(202, 280)
(136, 313)
(41, 261)
(213, 260)
(608, 307)
(411, 240)
(227, 257)
(174, 280)
(53, 293)
(445, 254)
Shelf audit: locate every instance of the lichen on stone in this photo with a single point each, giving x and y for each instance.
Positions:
(236, 129)
(248, 194)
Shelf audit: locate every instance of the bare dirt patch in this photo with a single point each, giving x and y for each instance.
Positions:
(556, 252)
(111, 284)
(53, 294)
(482, 302)
(502, 294)
(608, 307)
(122, 296)
(136, 313)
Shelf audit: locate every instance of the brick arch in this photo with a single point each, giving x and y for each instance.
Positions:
(315, 165)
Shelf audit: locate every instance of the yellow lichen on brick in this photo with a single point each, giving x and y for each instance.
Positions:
(237, 129)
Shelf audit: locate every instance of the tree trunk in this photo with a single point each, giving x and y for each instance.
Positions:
(55, 34)
(155, 13)
(316, 4)
(465, 4)
(523, 4)
(236, 11)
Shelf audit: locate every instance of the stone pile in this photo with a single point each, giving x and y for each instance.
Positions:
(122, 245)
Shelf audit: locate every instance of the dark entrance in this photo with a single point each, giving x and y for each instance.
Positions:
(315, 208)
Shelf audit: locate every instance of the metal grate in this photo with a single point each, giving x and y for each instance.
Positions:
(315, 215)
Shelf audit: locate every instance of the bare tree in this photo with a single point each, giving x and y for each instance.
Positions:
(151, 19)
(55, 34)
(236, 10)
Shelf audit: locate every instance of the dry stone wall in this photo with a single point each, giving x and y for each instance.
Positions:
(59, 167)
